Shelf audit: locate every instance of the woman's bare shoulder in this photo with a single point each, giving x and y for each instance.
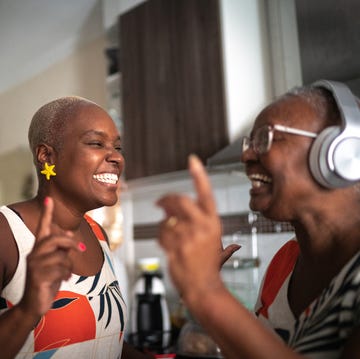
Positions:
(5, 230)
(8, 252)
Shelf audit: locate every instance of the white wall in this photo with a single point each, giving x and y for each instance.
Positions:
(284, 50)
(81, 73)
(261, 57)
(248, 80)
(113, 8)
(35, 34)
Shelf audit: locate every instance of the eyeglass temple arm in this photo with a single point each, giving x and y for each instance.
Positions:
(295, 131)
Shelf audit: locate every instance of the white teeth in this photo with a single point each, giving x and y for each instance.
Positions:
(258, 179)
(111, 178)
(256, 184)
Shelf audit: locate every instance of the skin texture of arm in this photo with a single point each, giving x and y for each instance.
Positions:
(14, 321)
(192, 247)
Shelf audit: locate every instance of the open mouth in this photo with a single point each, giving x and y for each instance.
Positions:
(258, 180)
(109, 178)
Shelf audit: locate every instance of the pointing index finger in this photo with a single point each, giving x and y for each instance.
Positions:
(202, 185)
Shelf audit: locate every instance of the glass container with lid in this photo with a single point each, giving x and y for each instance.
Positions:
(194, 342)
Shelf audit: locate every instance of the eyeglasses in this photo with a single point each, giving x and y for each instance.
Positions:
(262, 139)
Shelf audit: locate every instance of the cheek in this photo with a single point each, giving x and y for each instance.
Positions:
(294, 186)
(292, 173)
(77, 164)
(85, 158)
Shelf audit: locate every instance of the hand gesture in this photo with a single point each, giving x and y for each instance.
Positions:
(191, 234)
(48, 264)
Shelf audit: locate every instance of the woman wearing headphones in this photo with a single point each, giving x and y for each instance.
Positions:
(309, 301)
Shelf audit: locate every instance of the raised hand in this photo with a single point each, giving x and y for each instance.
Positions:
(191, 234)
(48, 264)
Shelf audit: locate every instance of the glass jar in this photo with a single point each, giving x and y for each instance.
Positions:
(241, 272)
(194, 342)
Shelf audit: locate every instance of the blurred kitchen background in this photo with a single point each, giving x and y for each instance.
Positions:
(178, 77)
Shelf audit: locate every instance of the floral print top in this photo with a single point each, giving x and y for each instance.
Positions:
(88, 315)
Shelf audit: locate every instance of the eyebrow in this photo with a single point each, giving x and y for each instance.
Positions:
(98, 133)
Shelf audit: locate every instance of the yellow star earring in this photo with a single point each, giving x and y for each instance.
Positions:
(48, 171)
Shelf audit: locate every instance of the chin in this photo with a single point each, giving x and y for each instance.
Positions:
(258, 206)
(110, 202)
(106, 201)
(275, 213)
(267, 211)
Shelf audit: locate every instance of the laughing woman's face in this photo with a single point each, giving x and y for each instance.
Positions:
(90, 163)
(281, 180)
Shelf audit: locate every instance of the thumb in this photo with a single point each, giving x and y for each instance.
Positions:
(228, 252)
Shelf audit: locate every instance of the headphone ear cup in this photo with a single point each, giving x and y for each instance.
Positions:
(321, 169)
(334, 158)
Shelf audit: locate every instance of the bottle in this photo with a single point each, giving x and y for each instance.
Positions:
(150, 318)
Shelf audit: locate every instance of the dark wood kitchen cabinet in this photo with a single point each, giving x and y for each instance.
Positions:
(172, 85)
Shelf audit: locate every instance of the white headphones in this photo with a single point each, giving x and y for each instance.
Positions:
(335, 153)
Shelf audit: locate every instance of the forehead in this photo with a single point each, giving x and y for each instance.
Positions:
(90, 117)
(290, 111)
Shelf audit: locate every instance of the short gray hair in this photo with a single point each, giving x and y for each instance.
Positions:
(321, 100)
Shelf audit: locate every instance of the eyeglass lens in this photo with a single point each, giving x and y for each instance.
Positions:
(260, 142)
(262, 139)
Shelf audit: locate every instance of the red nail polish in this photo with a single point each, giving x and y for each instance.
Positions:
(82, 246)
(46, 201)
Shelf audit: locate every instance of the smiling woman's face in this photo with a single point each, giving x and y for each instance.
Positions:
(90, 162)
(281, 179)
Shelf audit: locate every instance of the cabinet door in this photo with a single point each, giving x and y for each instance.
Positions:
(172, 85)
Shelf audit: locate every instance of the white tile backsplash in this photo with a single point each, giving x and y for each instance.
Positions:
(238, 198)
(245, 283)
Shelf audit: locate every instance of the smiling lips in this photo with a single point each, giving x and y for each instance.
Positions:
(110, 178)
(258, 180)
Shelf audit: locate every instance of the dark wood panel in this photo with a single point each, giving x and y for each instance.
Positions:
(199, 77)
(132, 64)
(173, 88)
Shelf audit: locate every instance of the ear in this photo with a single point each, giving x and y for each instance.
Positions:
(45, 153)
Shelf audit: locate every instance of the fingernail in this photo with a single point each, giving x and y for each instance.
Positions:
(194, 161)
(46, 201)
(81, 246)
(236, 248)
(192, 157)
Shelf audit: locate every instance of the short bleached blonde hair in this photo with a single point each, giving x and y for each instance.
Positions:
(49, 122)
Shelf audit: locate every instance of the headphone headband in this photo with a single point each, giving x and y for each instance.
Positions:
(345, 100)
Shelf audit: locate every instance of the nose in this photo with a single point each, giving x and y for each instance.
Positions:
(116, 159)
(248, 154)
(115, 156)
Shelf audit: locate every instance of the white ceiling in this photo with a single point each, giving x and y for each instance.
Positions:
(34, 34)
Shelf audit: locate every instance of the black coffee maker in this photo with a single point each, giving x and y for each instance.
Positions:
(150, 319)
